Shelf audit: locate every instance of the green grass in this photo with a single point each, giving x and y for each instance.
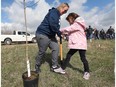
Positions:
(100, 55)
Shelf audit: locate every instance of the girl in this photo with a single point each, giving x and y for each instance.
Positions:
(76, 41)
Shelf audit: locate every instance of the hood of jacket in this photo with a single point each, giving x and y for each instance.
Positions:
(81, 21)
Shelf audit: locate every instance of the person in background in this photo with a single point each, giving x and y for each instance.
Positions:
(91, 33)
(102, 34)
(110, 33)
(45, 35)
(96, 34)
(77, 41)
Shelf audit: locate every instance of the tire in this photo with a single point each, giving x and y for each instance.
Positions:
(34, 40)
(8, 41)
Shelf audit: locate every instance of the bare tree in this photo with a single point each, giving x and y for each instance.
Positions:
(6, 30)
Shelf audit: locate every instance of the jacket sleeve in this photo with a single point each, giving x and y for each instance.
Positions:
(54, 23)
(69, 29)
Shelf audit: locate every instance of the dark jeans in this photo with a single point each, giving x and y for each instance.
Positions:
(82, 56)
(43, 43)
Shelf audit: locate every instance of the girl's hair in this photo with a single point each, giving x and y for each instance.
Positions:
(72, 15)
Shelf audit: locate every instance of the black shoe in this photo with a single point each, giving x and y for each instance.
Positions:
(37, 69)
(63, 65)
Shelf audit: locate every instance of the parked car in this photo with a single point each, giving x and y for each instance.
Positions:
(17, 36)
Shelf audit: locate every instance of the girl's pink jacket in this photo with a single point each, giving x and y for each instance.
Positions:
(76, 33)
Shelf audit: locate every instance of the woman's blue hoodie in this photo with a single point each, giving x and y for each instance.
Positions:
(51, 24)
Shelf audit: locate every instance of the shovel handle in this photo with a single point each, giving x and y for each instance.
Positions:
(61, 55)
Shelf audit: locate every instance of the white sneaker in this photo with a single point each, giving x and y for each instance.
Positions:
(86, 75)
(58, 70)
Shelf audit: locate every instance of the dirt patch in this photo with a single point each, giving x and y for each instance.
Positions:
(33, 76)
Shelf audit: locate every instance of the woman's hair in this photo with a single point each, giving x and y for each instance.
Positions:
(62, 6)
(72, 15)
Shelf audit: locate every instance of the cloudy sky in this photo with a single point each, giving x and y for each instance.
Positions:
(97, 13)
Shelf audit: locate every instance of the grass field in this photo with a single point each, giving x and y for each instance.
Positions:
(100, 55)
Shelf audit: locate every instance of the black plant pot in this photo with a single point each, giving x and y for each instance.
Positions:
(31, 81)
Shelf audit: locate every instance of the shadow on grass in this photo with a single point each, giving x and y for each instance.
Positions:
(48, 58)
(74, 68)
(70, 66)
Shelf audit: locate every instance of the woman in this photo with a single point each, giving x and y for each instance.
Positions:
(45, 35)
(76, 41)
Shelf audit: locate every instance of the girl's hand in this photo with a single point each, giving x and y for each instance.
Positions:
(65, 32)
